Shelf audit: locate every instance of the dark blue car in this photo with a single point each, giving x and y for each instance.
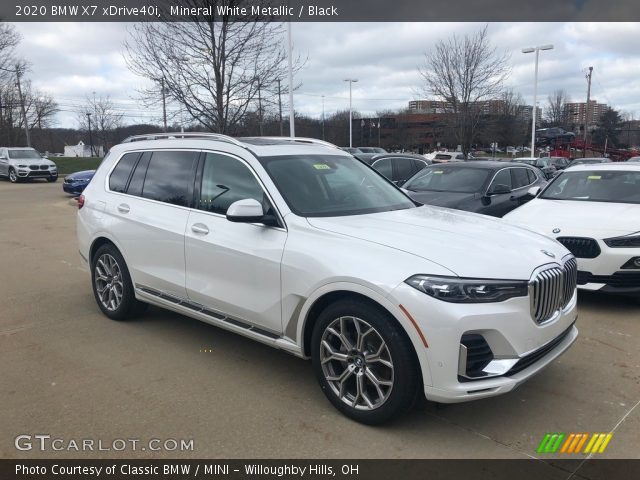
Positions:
(76, 182)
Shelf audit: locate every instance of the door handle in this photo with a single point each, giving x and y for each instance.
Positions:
(123, 208)
(200, 228)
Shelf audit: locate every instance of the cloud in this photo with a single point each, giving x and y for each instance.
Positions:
(73, 60)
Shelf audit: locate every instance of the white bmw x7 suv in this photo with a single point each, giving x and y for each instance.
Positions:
(294, 243)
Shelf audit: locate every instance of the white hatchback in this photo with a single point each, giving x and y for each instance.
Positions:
(594, 211)
(294, 243)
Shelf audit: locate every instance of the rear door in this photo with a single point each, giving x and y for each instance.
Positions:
(149, 206)
(233, 268)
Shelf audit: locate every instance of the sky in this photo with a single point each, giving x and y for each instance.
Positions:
(71, 61)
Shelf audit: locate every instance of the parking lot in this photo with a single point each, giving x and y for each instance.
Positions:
(68, 371)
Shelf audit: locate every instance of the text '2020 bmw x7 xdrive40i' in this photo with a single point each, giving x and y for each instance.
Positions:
(296, 244)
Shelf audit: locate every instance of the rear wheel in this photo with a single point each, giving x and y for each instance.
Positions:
(112, 286)
(364, 362)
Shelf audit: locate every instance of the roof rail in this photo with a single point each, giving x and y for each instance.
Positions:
(301, 140)
(184, 135)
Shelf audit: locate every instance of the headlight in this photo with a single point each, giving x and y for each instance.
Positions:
(467, 290)
(628, 241)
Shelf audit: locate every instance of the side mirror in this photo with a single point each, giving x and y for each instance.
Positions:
(534, 191)
(2, 157)
(249, 210)
(499, 189)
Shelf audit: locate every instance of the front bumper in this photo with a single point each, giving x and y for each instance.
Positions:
(37, 173)
(523, 346)
(605, 272)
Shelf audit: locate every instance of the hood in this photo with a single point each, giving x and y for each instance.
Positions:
(441, 199)
(31, 161)
(468, 244)
(575, 218)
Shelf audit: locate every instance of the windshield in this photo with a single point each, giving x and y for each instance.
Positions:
(26, 154)
(438, 179)
(595, 186)
(332, 185)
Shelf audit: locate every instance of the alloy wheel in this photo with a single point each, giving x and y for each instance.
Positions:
(108, 281)
(356, 363)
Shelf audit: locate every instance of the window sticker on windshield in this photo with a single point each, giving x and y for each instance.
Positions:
(321, 166)
(594, 177)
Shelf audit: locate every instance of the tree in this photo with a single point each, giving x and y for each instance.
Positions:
(216, 68)
(462, 73)
(508, 125)
(556, 113)
(105, 120)
(609, 127)
(9, 39)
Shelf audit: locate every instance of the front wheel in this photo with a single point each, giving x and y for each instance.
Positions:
(364, 362)
(112, 286)
(13, 176)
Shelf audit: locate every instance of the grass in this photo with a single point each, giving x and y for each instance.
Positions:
(67, 165)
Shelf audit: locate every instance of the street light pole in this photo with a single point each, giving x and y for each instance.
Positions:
(351, 82)
(292, 126)
(535, 93)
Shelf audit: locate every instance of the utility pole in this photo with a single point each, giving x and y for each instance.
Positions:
(90, 138)
(322, 117)
(24, 113)
(586, 111)
(280, 108)
(164, 107)
(259, 108)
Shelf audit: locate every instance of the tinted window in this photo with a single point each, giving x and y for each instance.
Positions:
(226, 180)
(170, 177)
(503, 178)
(519, 177)
(384, 167)
(418, 165)
(137, 179)
(120, 174)
(404, 168)
(442, 179)
(532, 176)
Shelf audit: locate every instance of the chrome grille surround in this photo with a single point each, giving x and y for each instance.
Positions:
(551, 288)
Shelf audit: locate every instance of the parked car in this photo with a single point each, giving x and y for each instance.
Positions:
(398, 167)
(560, 163)
(549, 136)
(490, 188)
(376, 150)
(446, 157)
(594, 211)
(293, 244)
(21, 163)
(589, 161)
(634, 159)
(543, 164)
(75, 183)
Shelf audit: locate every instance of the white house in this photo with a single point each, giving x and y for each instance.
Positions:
(82, 150)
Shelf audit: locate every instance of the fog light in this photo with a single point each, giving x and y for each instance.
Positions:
(632, 263)
(636, 262)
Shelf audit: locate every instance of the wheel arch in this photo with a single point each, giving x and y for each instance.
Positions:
(331, 293)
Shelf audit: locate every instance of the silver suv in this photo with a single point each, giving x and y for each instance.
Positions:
(21, 163)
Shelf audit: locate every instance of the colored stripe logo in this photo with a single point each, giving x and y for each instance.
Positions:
(574, 443)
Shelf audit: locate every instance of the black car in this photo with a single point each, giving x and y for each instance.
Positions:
(399, 167)
(544, 164)
(553, 135)
(490, 188)
(588, 161)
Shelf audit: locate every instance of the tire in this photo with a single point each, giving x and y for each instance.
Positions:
(13, 176)
(112, 286)
(383, 355)
(52, 179)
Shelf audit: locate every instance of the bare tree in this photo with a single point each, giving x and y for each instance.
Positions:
(463, 73)
(104, 117)
(214, 69)
(556, 113)
(9, 39)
